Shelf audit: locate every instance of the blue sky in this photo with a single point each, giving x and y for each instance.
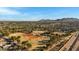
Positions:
(37, 13)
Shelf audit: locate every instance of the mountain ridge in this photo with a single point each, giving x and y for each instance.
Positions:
(62, 19)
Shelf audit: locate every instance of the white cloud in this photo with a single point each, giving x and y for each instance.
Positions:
(7, 11)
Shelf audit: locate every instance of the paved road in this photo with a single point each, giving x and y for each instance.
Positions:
(75, 46)
(72, 44)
